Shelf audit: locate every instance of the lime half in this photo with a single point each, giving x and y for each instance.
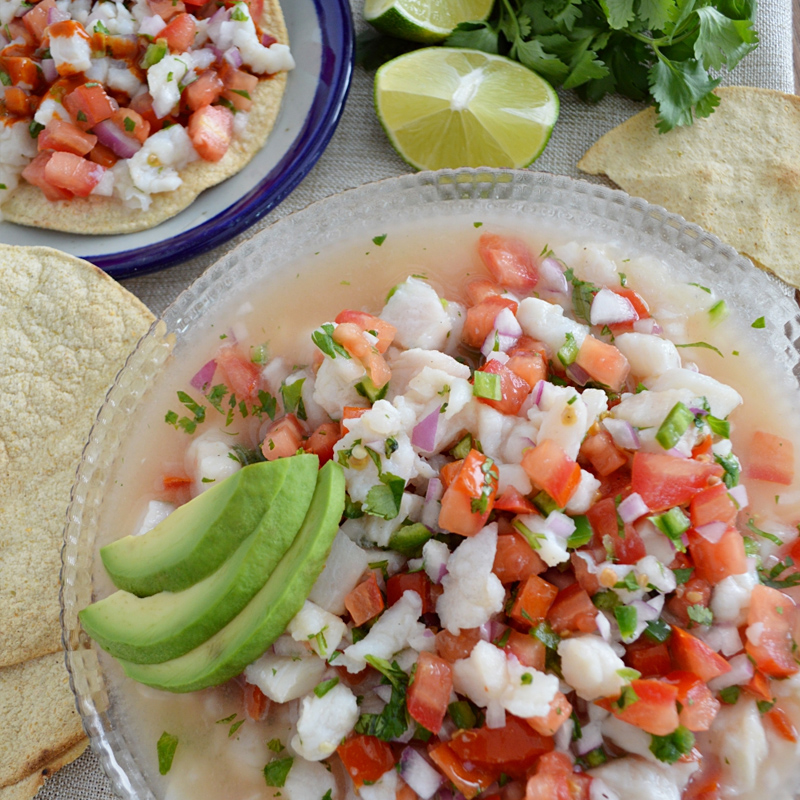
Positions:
(426, 21)
(447, 108)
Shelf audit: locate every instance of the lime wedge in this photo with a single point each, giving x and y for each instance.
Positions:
(426, 21)
(447, 108)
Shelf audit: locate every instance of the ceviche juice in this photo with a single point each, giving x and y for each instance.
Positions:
(566, 564)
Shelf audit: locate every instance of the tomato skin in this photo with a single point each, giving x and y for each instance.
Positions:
(64, 136)
(365, 601)
(715, 561)
(239, 87)
(34, 173)
(560, 710)
(73, 173)
(417, 582)
(453, 648)
(771, 459)
(470, 778)
(89, 104)
(323, 439)
(211, 131)
(573, 612)
(712, 505)
(429, 691)
(776, 613)
(655, 711)
(368, 322)
(527, 649)
(516, 743)
(456, 514)
(664, 481)
(513, 389)
(627, 545)
(365, 758)
(480, 319)
(35, 20)
(514, 501)
(180, 33)
(515, 560)
(690, 654)
(602, 453)
(551, 469)
(699, 706)
(283, 438)
(604, 362)
(533, 601)
(509, 261)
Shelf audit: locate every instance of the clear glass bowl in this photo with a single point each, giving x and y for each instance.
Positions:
(595, 213)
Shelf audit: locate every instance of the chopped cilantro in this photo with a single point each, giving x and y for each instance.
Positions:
(321, 689)
(658, 630)
(732, 469)
(276, 772)
(759, 323)
(379, 240)
(323, 338)
(671, 747)
(730, 694)
(582, 534)
(682, 575)
(706, 345)
(292, 395)
(582, 295)
(166, 747)
(275, 745)
(383, 499)
(700, 614)
(764, 534)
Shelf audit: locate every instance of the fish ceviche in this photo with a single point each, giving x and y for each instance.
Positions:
(548, 581)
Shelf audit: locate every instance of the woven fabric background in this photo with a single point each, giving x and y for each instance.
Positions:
(359, 153)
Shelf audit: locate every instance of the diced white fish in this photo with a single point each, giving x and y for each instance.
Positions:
(546, 323)
(591, 667)
(284, 678)
(722, 399)
(344, 567)
(324, 722)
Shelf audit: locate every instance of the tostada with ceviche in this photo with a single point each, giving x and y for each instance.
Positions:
(523, 531)
(116, 115)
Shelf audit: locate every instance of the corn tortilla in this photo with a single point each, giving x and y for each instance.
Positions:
(736, 174)
(65, 331)
(27, 205)
(28, 787)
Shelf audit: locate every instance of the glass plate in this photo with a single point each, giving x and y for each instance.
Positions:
(321, 36)
(599, 214)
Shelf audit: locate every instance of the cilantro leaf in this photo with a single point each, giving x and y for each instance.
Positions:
(678, 87)
(383, 499)
(276, 772)
(671, 747)
(722, 41)
(166, 747)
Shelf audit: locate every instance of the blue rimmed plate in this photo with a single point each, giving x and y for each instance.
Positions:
(321, 37)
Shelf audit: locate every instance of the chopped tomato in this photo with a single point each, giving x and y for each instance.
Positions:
(365, 601)
(713, 504)
(514, 501)
(73, 173)
(695, 592)
(603, 362)
(143, 104)
(21, 70)
(573, 611)
(34, 173)
(131, 123)
(782, 723)
(166, 9)
(509, 260)
(256, 703)
(639, 306)
(664, 481)
(551, 469)
(527, 649)
(35, 20)
(180, 33)
(211, 130)
(611, 531)
(239, 88)
(480, 319)
(323, 439)
(283, 438)
(449, 472)
(429, 691)
(533, 601)
(417, 582)
(555, 780)
(384, 332)
(469, 777)
(690, 654)
(453, 648)
(560, 710)
(702, 449)
(515, 560)
(17, 101)
(204, 91)
(771, 622)
(66, 137)
(531, 367)
(351, 337)
(698, 705)
(602, 453)
(715, 561)
(175, 481)
(350, 412)
(527, 345)
(586, 580)
(89, 104)
(513, 389)
(404, 791)
(365, 758)
(469, 499)
(771, 459)
(654, 710)
(242, 376)
(759, 686)
(479, 289)
(651, 659)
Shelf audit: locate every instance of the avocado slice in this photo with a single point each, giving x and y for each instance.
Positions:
(149, 630)
(266, 616)
(198, 537)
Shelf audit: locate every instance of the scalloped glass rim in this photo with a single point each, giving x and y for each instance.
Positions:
(599, 213)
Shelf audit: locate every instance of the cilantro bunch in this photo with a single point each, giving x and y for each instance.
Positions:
(669, 52)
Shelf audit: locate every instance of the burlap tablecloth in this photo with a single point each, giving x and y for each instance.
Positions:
(359, 153)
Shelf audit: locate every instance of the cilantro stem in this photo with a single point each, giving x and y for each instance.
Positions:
(513, 16)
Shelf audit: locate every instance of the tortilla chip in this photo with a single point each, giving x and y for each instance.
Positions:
(736, 174)
(65, 331)
(40, 721)
(28, 787)
(27, 205)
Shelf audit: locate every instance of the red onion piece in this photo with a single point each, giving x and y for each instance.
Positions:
(111, 136)
(623, 433)
(713, 531)
(435, 491)
(644, 611)
(603, 625)
(419, 774)
(233, 57)
(204, 375)
(676, 452)
(591, 738)
(648, 325)
(56, 15)
(632, 507)
(741, 672)
(538, 390)
(560, 524)
(506, 323)
(424, 434)
(551, 276)
(267, 40)
(578, 375)
(739, 495)
(442, 572)
(49, 72)
(609, 308)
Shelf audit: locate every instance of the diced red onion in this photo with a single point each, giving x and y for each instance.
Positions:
(499, 340)
(741, 672)
(578, 374)
(676, 452)
(623, 433)
(111, 136)
(485, 631)
(56, 15)
(537, 392)
(713, 531)
(591, 738)
(644, 611)
(204, 375)
(49, 71)
(739, 495)
(647, 325)
(603, 625)
(233, 57)
(551, 276)
(632, 507)
(506, 323)
(435, 491)
(560, 524)
(609, 308)
(424, 434)
(698, 412)
(563, 736)
(419, 774)
(267, 40)
(656, 603)
(442, 572)
(721, 638)
(152, 26)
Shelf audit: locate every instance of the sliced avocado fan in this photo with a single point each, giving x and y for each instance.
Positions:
(149, 630)
(266, 616)
(198, 537)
